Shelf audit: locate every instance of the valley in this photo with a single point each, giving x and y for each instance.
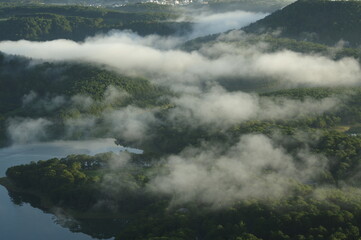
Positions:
(229, 120)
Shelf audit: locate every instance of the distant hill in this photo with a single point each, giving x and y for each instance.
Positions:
(321, 21)
(48, 22)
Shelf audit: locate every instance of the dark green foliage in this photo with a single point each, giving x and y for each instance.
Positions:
(311, 213)
(279, 44)
(76, 182)
(3, 140)
(37, 22)
(48, 81)
(322, 209)
(17, 78)
(275, 44)
(320, 21)
(303, 93)
(344, 151)
(300, 217)
(173, 137)
(303, 217)
(63, 180)
(348, 112)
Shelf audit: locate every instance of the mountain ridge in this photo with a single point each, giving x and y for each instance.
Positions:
(321, 21)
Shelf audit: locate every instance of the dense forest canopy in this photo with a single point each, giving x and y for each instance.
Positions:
(42, 22)
(81, 182)
(322, 21)
(246, 134)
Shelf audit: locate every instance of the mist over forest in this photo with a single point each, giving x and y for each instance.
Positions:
(244, 117)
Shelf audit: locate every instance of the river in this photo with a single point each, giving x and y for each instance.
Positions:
(19, 222)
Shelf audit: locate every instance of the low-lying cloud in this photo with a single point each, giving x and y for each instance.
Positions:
(131, 54)
(221, 109)
(27, 130)
(253, 168)
(216, 107)
(131, 124)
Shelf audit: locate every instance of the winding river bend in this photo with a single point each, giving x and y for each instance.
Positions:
(25, 222)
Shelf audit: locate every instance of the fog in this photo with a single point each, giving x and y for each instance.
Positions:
(222, 109)
(253, 168)
(216, 108)
(26, 130)
(256, 166)
(133, 55)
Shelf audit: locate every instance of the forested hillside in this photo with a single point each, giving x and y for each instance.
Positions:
(37, 22)
(91, 188)
(250, 134)
(18, 78)
(322, 21)
(48, 90)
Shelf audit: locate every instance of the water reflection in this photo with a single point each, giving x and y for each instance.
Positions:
(22, 154)
(20, 217)
(102, 228)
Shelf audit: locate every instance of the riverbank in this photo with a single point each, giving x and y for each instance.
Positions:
(45, 204)
(20, 210)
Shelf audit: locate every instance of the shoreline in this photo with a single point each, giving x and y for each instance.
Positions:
(45, 204)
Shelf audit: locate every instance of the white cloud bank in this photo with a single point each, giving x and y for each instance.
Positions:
(27, 130)
(253, 168)
(130, 54)
(220, 108)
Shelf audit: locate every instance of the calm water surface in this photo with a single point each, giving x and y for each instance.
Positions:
(25, 222)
